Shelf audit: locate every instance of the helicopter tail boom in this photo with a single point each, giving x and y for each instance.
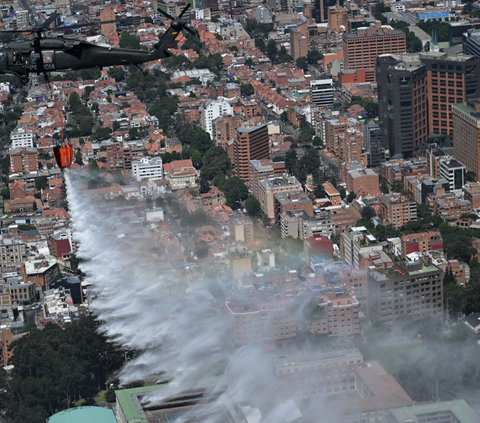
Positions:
(160, 50)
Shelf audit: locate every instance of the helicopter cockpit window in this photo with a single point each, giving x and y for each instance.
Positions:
(17, 58)
(47, 56)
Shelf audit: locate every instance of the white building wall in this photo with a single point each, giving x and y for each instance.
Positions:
(212, 110)
(148, 168)
(22, 138)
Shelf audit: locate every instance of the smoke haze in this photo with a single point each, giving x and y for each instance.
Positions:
(140, 307)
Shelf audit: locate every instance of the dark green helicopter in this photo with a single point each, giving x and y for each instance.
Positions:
(56, 54)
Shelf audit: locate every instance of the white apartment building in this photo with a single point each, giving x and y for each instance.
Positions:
(321, 92)
(147, 168)
(212, 110)
(22, 138)
(21, 18)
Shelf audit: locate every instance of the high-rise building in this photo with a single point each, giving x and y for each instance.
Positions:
(361, 49)
(402, 98)
(320, 10)
(321, 92)
(298, 44)
(373, 144)
(466, 134)
(108, 14)
(414, 289)
(250, 144)
(420, 88)
(451, 79)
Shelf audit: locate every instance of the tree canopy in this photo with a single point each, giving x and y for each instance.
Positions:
(235, 191)
(55, 367)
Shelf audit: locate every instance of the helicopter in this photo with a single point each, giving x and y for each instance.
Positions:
(56, 54)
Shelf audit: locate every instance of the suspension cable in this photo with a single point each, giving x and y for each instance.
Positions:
(56, 103)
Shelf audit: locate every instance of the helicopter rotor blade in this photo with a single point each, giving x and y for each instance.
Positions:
(16, 31)
(166, 14)
(50, 19)
(190, 30)
(184, 11)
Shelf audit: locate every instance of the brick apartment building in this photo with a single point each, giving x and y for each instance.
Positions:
(397, 210)
(272, 318)
(448, 206)
(471, 192)
(250, 144)
(291, 201)
(414, 289)
(12, 253)
(224, 129)
(298, 44)
(23, 160)
(421, 243)
(466, 134)
(268, 188)
(362, 178)
(361, 49)
(119, 158)
(264, 169)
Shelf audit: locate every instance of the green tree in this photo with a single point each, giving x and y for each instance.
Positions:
(309, 164)
(371, 108)
(110, 395)
(128, 40)
(306, 134)
(93, 165)
(368, 213)
(291, 161)
(204, 184)
(246, 90)
(471, 297)
(235, 191)
(55, 367)
(215, 161)
(41, 182)
(350, 197)
(471, 176)
(252, 205)
(78, 158)
(302, 63)
(116, 73)
(313, 57)
(271, 50)
(317, 142)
